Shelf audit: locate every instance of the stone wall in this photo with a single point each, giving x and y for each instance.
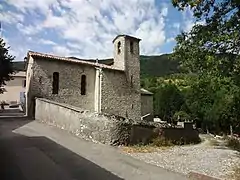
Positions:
(105, 128)
(145, 133)
(40, 82)
(118, 97)
(121, 89)
(181, 135)
(86, 124)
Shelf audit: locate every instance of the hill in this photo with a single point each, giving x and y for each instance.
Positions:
(160, 65)
(150, 65)
(18, 65)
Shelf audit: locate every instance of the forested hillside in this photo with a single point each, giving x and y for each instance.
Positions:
(158, 65)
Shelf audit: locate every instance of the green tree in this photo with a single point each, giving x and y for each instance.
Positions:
(211, 47)
(167, 100)
(211, 51)
(6, 68)
(212, 100)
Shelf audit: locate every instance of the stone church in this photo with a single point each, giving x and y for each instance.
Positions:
(102, 86)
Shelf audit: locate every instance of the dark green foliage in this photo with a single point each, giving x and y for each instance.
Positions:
(6, 68)
(160, 65)
(168, 99)
(19, 65)
(181, 116)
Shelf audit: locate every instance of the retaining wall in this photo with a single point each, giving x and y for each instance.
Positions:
(96, 127)
(105, 128)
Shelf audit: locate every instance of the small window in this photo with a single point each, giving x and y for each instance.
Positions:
(83, 85)
(24, 83)
(131, 47)
(55, 83)
(119, 47)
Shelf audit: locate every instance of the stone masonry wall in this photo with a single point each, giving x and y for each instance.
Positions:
(86, 124)
(121, 89)
(69, 82)
(118, 97)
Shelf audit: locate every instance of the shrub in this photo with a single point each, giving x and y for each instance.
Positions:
(233, 143)
(160, 141)
(181, 116)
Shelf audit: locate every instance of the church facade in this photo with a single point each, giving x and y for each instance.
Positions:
(103, 88)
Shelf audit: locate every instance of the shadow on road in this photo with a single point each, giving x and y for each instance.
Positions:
(30, 158)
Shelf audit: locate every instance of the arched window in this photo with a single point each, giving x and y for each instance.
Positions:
(55, 84)
(131, 47)
(83, 85)
(119, 47)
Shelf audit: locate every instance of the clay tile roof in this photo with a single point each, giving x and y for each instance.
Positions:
(126, 36)
(72, 60)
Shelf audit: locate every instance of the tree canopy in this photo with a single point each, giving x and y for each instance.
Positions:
(6, 68)
(211, 51)
(213, 45)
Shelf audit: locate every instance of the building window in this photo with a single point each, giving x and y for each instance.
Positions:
(119, 47)
(24, 83)
(131, 47)
(83, 85)
(55, 83)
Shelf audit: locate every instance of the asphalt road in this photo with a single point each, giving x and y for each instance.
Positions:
(30, 150)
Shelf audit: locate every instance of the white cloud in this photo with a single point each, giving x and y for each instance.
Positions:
(88, 27)
(30, 29)
(11, 17)
(176, 25)
(171, 39)
(164, 10)
(62, 51)
(32, 5)
(188, 20)
(17, 51)
(47, 42)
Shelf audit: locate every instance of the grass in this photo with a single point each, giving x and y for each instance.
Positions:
(233, 143)
(236, 174)
(143, 148)
(161, 142)
(213, 142)
(154, 146)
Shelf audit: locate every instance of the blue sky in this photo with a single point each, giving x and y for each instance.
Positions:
(85, 28)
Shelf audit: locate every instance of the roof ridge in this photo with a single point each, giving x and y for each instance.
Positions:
(80, 61)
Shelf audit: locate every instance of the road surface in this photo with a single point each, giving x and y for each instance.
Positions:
(30, 150)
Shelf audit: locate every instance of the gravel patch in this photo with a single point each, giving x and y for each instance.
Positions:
(216, 161)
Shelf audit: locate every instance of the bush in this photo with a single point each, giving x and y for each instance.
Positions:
(181, 116)
(233, 143)
(160, 141)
